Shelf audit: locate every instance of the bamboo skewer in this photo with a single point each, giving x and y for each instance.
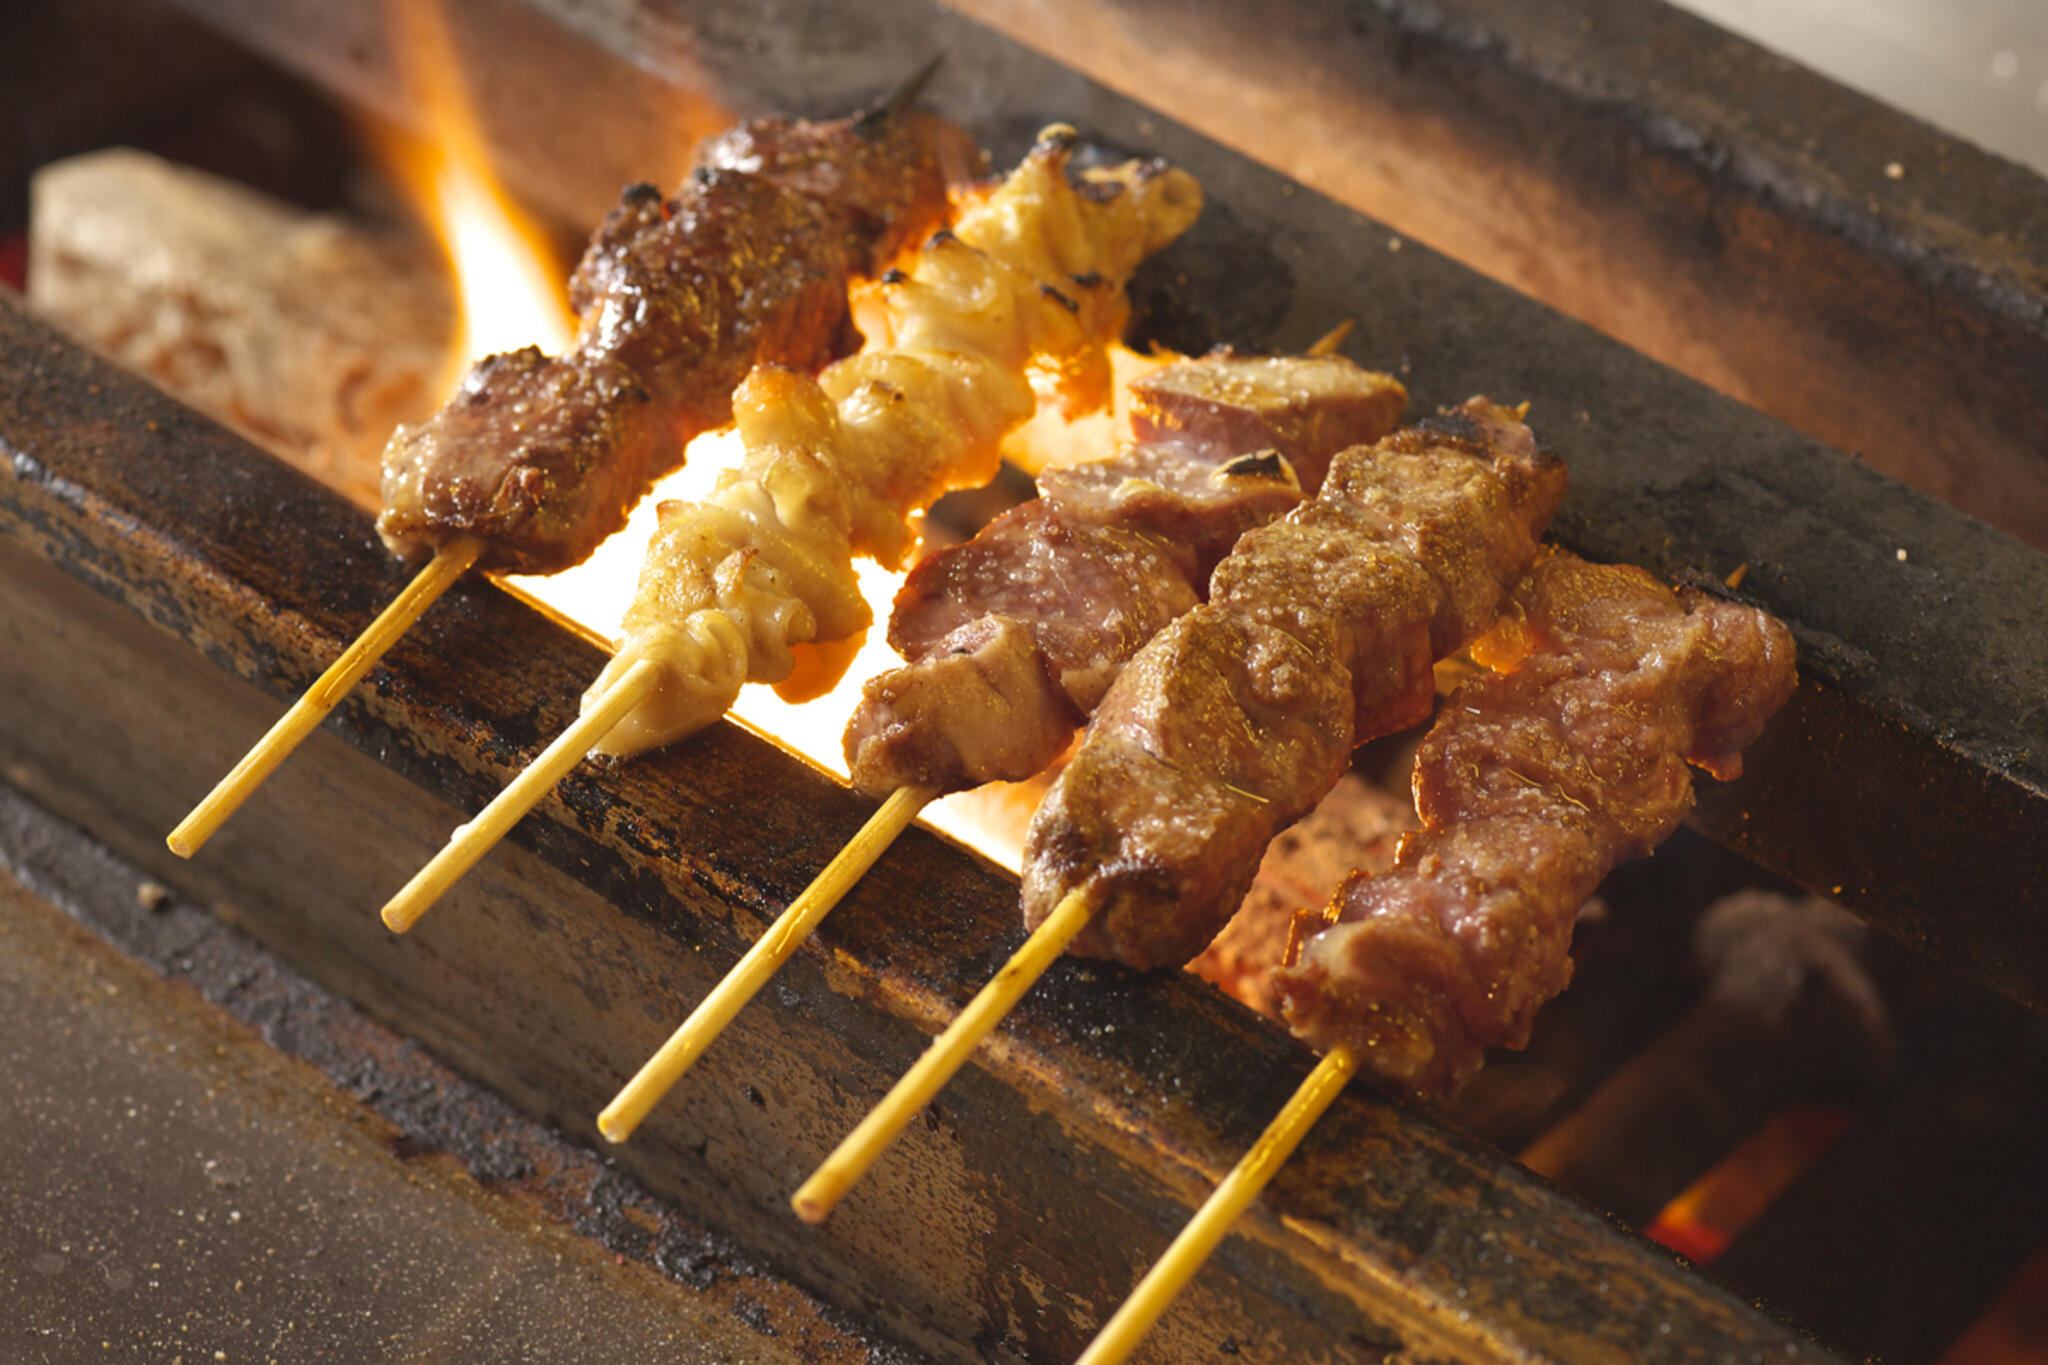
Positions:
(951, 1048)
(947, 1053)
(449, 563)
(744, 981)
(471, 841)
(1121, 1334)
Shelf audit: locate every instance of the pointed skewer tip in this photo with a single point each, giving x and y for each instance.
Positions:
(948, 1052)
(449, 563)
(659, 1074)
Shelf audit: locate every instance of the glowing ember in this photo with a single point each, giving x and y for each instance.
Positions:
(1715, 1209)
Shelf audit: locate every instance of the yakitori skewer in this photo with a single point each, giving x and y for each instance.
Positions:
(1533, 784)
(1014, 635)
(1031, 276)
(1320, 631)
(536, 459)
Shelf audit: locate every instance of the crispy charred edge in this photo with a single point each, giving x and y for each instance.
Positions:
(547, 507)
(1398, 1006)
(1070, 849)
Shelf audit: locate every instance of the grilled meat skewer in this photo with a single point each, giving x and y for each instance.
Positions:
(536, 459)
(1031, 275)
(961, 709)
(1238, 716)
(540, 457)
(1013, 637)
(1030, 278)
(1320, 632)
(1534, 783)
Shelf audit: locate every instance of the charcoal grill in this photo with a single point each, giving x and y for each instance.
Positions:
(164, 584)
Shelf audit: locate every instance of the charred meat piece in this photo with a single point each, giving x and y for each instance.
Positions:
(584, 439)
(1319, 633)
(1532, 785)
(1113, 551)
(678, 300)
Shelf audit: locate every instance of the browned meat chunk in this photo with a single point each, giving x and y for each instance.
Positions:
(1306, 407)
(1177, 495)
(1319, 633)
(679, 300)
(1089, 596)
(532, 451)
(1358, 825)
(1532, 785)
(688, 293)
(879, 172)
(1115, 550)
(937, 718)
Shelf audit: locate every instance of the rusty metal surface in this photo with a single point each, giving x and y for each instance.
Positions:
(212, 1154)
(151, 563)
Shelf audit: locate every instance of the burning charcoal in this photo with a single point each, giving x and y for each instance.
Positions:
(1790, 1012)
(311, 335)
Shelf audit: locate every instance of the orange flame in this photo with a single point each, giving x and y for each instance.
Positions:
(509, 283)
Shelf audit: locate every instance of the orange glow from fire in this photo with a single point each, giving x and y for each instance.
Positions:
(595, 595)
(1715, 1209)
(510, 288)
(1048, 440)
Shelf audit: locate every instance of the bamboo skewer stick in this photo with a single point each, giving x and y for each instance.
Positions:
(744, 981)
(947, 1053)
(1328, 342)
(951, 1048)
(1121, 1334)
(471, 841)
(449, 563)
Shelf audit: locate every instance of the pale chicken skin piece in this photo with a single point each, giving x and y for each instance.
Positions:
(1029, 280)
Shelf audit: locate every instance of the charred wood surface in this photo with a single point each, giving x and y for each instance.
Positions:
(163, 583)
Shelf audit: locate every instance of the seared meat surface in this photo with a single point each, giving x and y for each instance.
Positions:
(1320, 633)
(1307, 407)
(678, 300)
(1114, 550)
(1531, 786)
